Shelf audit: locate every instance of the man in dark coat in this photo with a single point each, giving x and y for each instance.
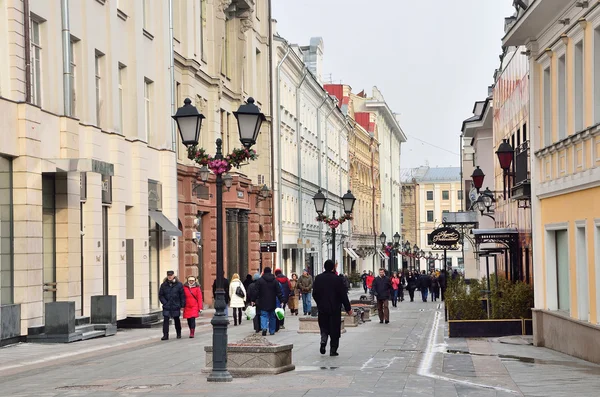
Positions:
(268, 291)
(363, 277)
(284, 283)
(443, 283)
(172, 297)
(253, 296)
(226, 289)
(424, 285)
(382, 289)
(330, 294)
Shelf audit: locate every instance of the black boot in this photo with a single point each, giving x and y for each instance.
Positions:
(322, 349)
(165, 337)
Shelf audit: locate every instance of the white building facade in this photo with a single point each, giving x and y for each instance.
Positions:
(89, 191)
(390, 137)
(310, 153)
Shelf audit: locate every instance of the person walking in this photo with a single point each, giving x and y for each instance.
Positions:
(363, 277)
(424, 285)
(284, 282)
(395, 289)
(293, 299)
(382, 289)
(226, 289)
(269, 291)
(193, 303)
(370, 279)
(330, 294)
(411, 285)
(247, 283)
(435, 287)
(172, 297)
(237, 298)
(401, 286)
(252, 292)
(442, 280)
(305, 285)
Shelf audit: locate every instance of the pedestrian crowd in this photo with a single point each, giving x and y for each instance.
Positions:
(267, 295)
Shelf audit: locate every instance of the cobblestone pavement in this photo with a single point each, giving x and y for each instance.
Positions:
(408, 357)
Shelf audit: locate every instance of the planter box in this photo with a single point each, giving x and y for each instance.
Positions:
(310, 325)
(254, 360)
(488, 328)
(350, 321)
(370, 310)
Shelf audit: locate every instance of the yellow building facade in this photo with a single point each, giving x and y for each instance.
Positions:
(565, 170)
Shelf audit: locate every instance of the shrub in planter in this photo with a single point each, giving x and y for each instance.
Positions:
(463, 302)
(354, 278)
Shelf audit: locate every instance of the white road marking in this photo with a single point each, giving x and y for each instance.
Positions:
(433, 348)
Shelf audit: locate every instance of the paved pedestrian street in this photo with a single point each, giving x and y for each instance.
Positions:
(408, 357)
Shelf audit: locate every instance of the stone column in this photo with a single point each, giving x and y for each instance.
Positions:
(231, 242)
(27, 217)
(242, 266)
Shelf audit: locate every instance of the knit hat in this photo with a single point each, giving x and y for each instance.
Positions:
(256, 276)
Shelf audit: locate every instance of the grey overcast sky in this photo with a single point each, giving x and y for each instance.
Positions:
(432, 59)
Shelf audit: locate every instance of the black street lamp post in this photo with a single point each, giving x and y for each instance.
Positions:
(189, 122)
(347, 201)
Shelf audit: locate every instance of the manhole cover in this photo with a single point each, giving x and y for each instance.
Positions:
(143, 387)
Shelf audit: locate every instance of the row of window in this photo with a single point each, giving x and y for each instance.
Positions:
(445, 195)
(99, 78)
(564, 85)
(430, 217)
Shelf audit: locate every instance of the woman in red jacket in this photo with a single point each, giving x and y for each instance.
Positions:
(193, 303)
(370, 279)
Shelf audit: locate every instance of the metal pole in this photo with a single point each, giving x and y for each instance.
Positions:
(333, 241)
(487, 269)
(219, 321)
(445, 262)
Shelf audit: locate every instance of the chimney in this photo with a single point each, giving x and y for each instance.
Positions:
(313, 57)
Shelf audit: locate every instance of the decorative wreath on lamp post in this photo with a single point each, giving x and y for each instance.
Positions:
(220, 166)
(334, 223)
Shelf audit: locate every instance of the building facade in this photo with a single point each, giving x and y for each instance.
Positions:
(87, 156)
(311, 153)
(360, 252)
(221, 58)
(563, 43)
(439, 191)
(374, 109)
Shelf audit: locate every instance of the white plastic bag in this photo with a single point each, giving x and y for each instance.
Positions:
(250, 312)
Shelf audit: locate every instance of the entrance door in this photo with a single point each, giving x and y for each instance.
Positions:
(154, 234)
(49, 238)
(105, 249)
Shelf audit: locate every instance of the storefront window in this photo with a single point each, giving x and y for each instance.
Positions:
(6, 232)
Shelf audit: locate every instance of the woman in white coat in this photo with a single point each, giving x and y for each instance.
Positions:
(237, 302)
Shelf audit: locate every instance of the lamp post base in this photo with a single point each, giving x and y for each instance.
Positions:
(219, 322)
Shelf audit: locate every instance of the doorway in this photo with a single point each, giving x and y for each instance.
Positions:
(154, 239)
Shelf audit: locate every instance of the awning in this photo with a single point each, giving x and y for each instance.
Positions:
(382, 255)
(351, 253)
(164, 222)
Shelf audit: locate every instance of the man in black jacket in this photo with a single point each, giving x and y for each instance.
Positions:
(382, 289)
(424, 285)
(226, 289)
(268, 290)
(172, 297)
(330, 294)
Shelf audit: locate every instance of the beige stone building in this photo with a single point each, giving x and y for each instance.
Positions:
(221, 59)
(87, 161)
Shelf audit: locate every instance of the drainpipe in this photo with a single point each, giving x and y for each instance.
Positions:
(172, 70)
(299, 155)
(462, 184)
(319, 150)
(66, 38)
(272, 148)
(279, 172)
(27, 51)
(374, 195)
(327, 156)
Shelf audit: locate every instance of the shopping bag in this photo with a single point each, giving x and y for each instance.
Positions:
(279, 313)
(250, 312)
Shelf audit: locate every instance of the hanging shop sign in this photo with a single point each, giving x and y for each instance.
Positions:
(444, 237)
